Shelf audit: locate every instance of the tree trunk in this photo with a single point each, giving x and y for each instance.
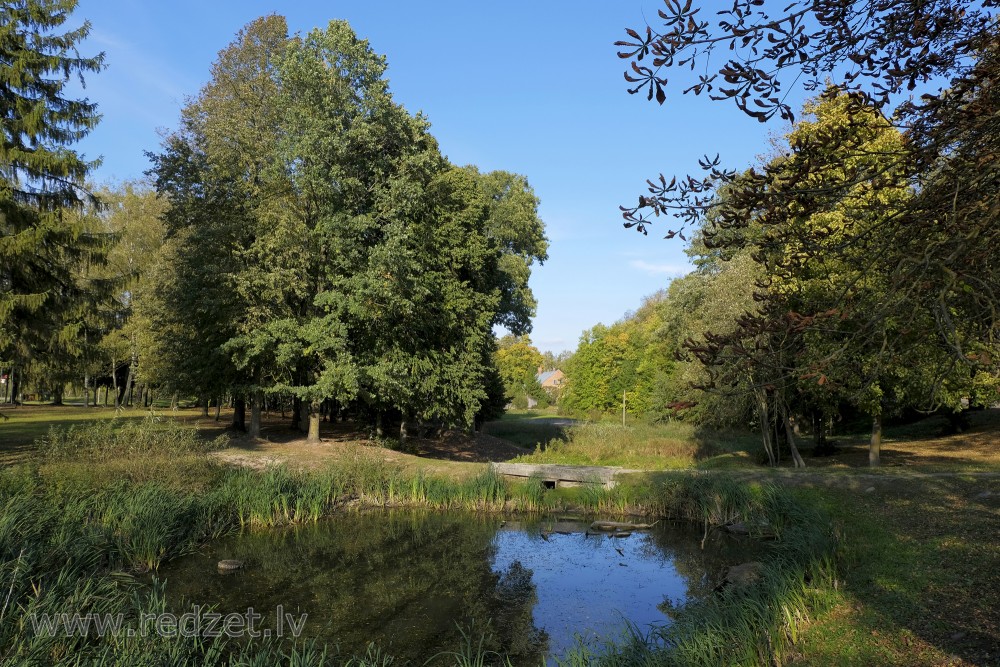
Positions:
(403, 432)
(57, 395)
(379, 428)
(875, 447)
(114, 383)
(314, 415)
(957, 422)
(86, 390)
(239, 414)
(790, 434)
(303, 415)
(218, 409)
(128, 383)
(255, 408)
(765, 426)
(173, 402)
(15, 386)
(204, 406)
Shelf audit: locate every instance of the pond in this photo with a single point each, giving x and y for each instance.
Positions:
(412, 582)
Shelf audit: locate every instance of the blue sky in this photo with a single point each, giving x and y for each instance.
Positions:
(532, 87)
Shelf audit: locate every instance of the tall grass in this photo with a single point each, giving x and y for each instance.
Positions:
(473, 652)
(667, 446)
(115, 438)
(69, 540)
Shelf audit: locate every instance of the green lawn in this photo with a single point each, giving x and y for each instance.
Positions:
(25, 424)
(919, 563)
(915, 447)
(529, 428)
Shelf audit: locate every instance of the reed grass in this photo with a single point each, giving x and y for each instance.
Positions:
(69, 540)
(472, 652)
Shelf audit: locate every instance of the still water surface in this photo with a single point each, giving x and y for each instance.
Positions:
(407, 581)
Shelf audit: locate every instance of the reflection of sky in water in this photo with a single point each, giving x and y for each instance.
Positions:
(585, 586)
(409, 580)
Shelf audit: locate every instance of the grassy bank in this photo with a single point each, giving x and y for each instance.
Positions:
(105, 504)
(922, 446)
(22, 426)
(919, 562)
(669, 446)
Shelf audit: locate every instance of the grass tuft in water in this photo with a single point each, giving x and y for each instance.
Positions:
(471, 652)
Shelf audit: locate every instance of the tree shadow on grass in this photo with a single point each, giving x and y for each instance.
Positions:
(923, 444)
(921, 568)
(530, 433)
(727, 448)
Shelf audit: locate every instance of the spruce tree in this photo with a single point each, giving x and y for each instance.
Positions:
(41, 175)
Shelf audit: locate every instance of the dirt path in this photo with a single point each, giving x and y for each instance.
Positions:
(454, 455)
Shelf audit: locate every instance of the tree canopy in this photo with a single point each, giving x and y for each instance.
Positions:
(348, 262)
(519, 362)
(874, 228)
(749, 50)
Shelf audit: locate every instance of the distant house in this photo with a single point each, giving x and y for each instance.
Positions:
(551, 379)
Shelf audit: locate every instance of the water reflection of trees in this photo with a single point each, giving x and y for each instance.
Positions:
(408, 580)
(700, 568)
(514, 597)
(404, 580)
